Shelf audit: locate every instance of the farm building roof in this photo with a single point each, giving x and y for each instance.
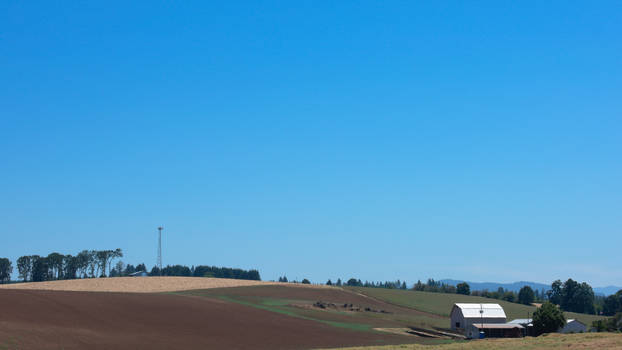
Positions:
(573, 320)
(521, 321)
(497, 326)
(473, 310)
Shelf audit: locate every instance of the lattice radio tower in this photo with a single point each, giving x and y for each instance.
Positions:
(159, 262)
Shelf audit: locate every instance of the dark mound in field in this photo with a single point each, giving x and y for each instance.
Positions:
(32, 319)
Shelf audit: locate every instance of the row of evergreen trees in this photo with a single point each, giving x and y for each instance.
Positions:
(184, 271)
(435, 287)
(526, 295)
(353, 282)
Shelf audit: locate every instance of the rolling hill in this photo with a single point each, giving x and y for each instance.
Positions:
(441, 303)
(516, 286)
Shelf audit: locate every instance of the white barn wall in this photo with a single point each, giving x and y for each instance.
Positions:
(457, 315)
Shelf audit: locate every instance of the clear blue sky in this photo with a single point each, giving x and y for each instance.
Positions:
(382, 140)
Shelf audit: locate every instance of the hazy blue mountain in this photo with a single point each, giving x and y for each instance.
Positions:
(492, 286)
(606, 290)
(516, 286)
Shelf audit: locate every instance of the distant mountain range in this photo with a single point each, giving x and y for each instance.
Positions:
(516, 286)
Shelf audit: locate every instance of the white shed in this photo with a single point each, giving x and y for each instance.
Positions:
(464, 315)
(574, 326)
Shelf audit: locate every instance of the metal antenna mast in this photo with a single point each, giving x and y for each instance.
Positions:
(159, 262)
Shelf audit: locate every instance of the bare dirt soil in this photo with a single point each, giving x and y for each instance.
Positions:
(143, 284)
(41, 319)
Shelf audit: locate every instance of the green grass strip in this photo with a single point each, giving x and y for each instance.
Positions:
(274, 306)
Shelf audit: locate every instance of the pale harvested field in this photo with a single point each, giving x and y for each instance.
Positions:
(551, 341)
(143, 284)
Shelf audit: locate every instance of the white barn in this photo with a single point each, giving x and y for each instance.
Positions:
(574, 326)
(464, 315)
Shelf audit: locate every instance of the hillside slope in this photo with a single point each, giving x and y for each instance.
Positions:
(441, 303)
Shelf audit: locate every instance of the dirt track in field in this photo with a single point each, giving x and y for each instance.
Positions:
(38, 319)
(143, 284)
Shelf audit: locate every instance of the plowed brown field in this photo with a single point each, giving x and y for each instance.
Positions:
(38, 319)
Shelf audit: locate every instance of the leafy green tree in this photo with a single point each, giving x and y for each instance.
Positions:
(610, 305)
(548, 318)
(92, 262)
(329, 282)
(353, 282)
(82, 263)
(338, 284)
(55, 264)
(118, 269)
(613, 324)
(115, 254)
(70, 266)
(509, 296)
(176, 270)
(102, 258)
(572, 296)
(306, 281)
(463, 288)
(526, 295)
(613, 304)
(420, 287)
(155, 271)
(6, 268)
(555, 293)
(40, 269)
(577, 297)
(141, 267)
(24, 267)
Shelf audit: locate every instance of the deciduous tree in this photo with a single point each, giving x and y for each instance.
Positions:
(463, 288)
(526, 295)
(6, 268)
(24, 267)
(548, 318)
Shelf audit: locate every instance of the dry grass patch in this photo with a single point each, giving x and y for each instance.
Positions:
(551, 341)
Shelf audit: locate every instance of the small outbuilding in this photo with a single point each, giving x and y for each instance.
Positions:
(495, 330)
(463, 315)
(574, 326)
(526, 323)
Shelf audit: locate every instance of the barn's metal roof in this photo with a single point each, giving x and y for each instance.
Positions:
(473, 310)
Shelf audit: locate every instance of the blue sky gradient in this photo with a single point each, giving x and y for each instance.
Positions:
(381, 140)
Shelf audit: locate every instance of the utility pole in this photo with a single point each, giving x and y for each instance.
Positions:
(159, 262)
(481, 313)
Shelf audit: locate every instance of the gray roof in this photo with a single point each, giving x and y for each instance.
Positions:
(138, 273)
(573, 320)
(521, 321)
